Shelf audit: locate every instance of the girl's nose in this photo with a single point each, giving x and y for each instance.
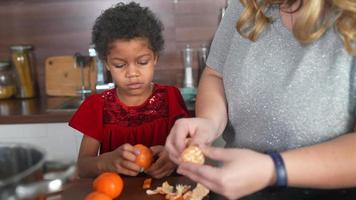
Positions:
(132, 72)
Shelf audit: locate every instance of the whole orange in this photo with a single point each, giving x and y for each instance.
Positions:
(145, 158)
(109, 183)
(97, 196)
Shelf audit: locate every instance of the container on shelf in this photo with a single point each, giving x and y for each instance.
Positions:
(23, 62)
(7, 81)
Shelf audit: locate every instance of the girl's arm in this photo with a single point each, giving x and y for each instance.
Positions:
(88, 159)
(121, 160)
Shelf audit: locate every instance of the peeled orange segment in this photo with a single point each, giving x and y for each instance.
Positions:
(199, 192)
(193, 154)
(147, 183)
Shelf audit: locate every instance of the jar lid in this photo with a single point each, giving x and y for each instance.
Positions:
(4, 64)
(21, 47)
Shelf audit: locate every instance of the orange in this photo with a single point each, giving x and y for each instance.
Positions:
(109, 183)
(97, 196)
(145, 158)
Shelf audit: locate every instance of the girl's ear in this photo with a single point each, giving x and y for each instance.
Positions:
(107, 66)
(156, 59)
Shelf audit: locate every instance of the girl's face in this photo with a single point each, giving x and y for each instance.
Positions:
(131, 64)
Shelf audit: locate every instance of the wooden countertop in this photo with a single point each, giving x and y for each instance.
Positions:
(41, 110)
(34, 110)
(78, 189)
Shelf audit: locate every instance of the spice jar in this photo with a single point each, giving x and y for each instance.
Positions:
(22, 59)
(7, 81)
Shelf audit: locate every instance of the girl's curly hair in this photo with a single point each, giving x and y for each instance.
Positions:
(125, 22)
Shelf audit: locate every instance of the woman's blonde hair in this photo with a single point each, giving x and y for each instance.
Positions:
(317, 17)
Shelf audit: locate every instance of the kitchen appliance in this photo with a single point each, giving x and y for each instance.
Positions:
(22, 173)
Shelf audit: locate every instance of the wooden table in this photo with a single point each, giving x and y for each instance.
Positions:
(133, 190)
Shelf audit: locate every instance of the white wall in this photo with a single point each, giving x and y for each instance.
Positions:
(60, 141)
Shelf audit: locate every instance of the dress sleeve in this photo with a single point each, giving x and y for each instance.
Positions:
(88, 119)
(223, 37)
(177, 108)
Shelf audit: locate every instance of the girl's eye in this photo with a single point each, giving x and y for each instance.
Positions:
(119, 65)
(143, 62)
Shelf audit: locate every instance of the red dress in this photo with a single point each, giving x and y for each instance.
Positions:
(105, 118)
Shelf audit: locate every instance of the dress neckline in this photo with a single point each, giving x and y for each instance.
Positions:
(143, 104)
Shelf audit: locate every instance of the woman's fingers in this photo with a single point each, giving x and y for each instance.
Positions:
(217, 153)
(176, 139)
(203, 174)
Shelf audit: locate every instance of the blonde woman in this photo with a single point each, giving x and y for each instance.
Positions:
(280, 86)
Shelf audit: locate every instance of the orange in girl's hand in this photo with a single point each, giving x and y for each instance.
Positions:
(97, 196)
(145, 158)
(109, 183)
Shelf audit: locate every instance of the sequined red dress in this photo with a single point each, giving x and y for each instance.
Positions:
(105, 118)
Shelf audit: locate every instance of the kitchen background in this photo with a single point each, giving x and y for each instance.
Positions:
(63, 27)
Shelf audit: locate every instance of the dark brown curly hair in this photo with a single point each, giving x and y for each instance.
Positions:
(125, 22)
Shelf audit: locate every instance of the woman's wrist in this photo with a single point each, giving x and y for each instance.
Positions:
(280, 178)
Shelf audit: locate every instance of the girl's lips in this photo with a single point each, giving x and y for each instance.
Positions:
(134, 85)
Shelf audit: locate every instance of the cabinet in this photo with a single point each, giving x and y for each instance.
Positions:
(60, 141)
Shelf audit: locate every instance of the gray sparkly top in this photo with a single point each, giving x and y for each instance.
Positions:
(281, 94)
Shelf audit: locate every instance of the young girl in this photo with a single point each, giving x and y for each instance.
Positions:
(128, 38)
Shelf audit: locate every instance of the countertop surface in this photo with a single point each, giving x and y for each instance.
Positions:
(133, 190)
(42, 110)
(34, 110)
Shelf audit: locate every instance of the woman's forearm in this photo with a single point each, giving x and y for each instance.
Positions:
(330, 164)
(211, 101)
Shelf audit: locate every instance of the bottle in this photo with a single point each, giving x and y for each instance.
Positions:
(188, 90)
(7, 81)
(202, 56)
(222, 11)
(23, 60)
(188, 67)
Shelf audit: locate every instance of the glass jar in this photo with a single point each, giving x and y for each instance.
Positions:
(23, 60)
(7, 81)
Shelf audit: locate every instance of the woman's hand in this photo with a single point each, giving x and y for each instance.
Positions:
(163, 166)
(121, 160)
(186, 131)
(242, 172)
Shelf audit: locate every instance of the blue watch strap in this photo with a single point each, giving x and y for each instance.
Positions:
(281, 172)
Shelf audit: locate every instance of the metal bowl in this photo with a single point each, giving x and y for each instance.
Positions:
(22, 173)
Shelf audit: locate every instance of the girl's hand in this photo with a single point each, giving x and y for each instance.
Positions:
(186, 131)
(121, 160)
(242, 172)
(163, 166)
